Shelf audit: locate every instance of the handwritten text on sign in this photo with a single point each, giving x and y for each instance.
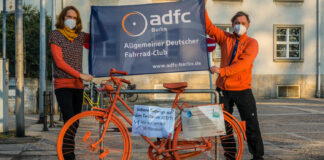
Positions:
(152, 121)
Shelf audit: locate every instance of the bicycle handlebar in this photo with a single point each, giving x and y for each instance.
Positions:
(114, 71)
(115, 79)
(125, 81)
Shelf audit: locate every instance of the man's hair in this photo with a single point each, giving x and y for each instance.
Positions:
(60, 19)
(239, 14)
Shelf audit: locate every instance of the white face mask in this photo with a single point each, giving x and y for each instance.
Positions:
(239, 29)
(70, 23)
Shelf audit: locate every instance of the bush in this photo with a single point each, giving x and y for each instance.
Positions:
(31, 26)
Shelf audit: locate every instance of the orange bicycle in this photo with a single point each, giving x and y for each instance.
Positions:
(101, 133)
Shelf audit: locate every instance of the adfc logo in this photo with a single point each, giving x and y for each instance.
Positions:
(134, 24)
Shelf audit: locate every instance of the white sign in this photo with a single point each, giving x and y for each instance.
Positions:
(152, 121)
(203, 121)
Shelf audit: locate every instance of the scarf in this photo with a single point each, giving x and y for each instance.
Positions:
(68, 33)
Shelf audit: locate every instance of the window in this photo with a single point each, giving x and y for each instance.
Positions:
(288, 43)
(217, 52)
(288, 0)
(288, 91)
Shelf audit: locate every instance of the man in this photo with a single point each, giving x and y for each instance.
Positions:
(238, 52)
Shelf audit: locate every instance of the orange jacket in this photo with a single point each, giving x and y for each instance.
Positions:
(57, 55)
(238, 75)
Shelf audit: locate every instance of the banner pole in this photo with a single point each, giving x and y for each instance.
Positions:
(210, 77)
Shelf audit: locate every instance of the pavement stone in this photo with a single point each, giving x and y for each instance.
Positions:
(292, 129)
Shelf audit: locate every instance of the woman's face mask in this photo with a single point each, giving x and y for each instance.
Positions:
(239, 29)
(70, 23)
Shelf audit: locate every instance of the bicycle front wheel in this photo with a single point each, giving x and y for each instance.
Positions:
(225, 147)
(79, 135)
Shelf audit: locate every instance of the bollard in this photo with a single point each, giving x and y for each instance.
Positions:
(50, 104)
(61, 117)
(45, 111)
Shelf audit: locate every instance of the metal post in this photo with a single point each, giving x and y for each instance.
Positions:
(42, 58)
(45, 110)
(3, 97)
(53, 14)
(50, 104)
(4, 22)
(318, 55)
(4, 80)
(53, 28)
(20, 117)
(210, 77)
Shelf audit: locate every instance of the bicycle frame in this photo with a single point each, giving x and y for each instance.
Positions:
(114, 96)
(169, 148)
(86, 99)
(113, 107)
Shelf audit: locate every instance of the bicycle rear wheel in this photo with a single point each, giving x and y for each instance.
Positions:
(78, 136)
(227, 147)
(130, 97)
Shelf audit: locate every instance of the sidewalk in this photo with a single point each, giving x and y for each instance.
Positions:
(292, 129)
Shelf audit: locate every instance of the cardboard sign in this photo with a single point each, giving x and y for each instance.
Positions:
(203, 121)
(152, 121)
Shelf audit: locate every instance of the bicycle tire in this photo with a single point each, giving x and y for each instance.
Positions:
(130, 97)
(79, 134)
(228, 151)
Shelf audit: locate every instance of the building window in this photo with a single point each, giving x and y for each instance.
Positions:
(216, 54)
(288, 43)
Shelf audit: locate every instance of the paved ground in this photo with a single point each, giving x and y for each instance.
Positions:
(292, 129)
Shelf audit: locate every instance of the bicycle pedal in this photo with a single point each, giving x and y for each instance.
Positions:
(104, 154)
(86, 136)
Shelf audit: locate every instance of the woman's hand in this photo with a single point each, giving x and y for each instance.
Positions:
(86, 77)
(214, 69)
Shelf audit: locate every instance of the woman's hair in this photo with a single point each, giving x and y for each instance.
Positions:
(60, 19)
(239, 14)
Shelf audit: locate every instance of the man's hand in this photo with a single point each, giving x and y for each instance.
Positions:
(214, 69)
(86, 77)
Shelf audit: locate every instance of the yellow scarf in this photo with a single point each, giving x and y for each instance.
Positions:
(68, 33)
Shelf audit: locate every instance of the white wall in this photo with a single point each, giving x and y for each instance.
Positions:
(264, 14)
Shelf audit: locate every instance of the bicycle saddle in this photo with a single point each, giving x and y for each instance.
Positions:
(176, 87)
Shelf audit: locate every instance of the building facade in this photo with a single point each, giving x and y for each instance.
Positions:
(286, 65)
(289, 42)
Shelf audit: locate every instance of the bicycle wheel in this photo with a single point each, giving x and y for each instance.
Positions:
(227, 147)
(78, 136)
(130, 97)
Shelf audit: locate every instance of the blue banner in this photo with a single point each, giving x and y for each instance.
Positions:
(147, 39)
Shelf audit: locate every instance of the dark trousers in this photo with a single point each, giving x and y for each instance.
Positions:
(70, 102)
(246, 105)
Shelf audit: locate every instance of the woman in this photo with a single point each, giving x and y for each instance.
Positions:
(66, 43)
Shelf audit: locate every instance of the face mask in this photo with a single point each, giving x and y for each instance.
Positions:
(239, 29)
(70, 23)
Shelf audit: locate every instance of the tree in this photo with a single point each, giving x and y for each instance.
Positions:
(31, 42)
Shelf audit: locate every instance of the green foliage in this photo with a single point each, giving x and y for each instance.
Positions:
(31, 26)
